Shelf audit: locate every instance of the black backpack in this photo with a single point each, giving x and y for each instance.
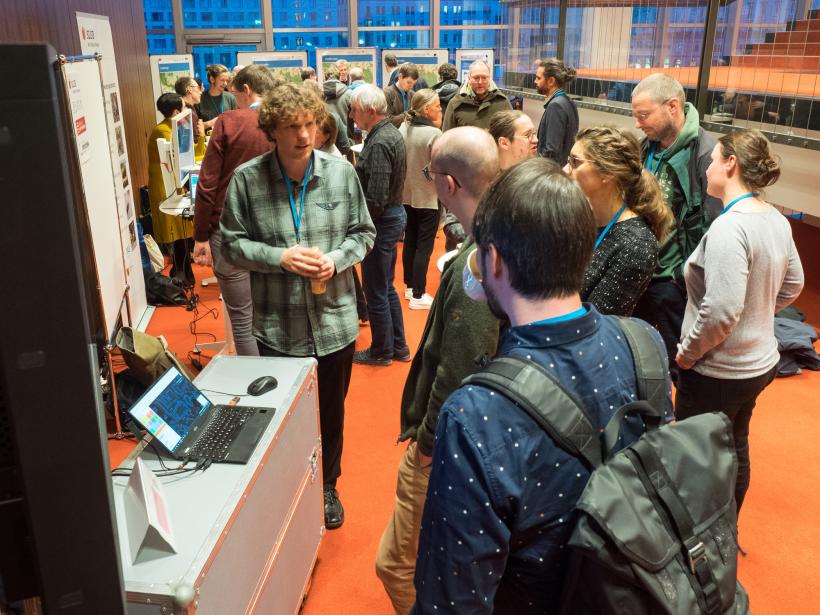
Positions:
(656, 526)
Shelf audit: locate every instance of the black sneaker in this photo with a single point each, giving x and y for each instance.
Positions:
(402, 355)
(363, 357)
(334, 511)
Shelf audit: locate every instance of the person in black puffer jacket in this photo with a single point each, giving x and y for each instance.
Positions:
(448, 86)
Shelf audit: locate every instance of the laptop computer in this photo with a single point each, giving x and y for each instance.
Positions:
(188, 426)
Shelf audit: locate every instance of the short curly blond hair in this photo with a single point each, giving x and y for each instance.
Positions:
(289, 101)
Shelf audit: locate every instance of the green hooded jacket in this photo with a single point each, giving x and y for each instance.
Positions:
(465, 110)
(681, 173)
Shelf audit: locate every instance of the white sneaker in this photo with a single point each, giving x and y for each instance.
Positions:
(423, 303)
(408, 293)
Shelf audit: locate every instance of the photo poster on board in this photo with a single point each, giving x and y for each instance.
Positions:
(96, 37)
(363, 57)
(428, 61)
(165, 70)
(87, 108)
(286, 64)
(465, 57)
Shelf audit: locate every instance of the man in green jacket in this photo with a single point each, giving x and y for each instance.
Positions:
(677, 152)
(458, 331)
(476, 101)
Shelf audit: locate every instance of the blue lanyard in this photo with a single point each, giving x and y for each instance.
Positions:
(254, 105)
(404, 96)
(737, 200)
(297, 220)
(556, 95)
(221, 103)
(564, 317)
(649, 161)
(609, 226)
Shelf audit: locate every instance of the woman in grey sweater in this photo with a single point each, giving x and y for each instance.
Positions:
(745, 269)
(420, 130)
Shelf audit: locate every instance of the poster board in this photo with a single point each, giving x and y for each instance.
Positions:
(286, 64)
(465, 57)
(95, 37)
(84, 94)
(428, 61)
(165, 70)
(363, 57)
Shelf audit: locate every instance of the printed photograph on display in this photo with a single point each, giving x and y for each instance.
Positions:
(427, 60)
(287, 65)
(363, 58)
(169, 73)
(120, 142)
(124, 173)
(115, 107)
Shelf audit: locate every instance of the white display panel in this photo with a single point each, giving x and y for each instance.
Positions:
(465, 57)
(165, 70)
(85, 100)
(95, 37)
(286, 64)
(363, 57)
(428, 61)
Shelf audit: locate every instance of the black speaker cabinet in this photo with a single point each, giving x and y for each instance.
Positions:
(58, 537)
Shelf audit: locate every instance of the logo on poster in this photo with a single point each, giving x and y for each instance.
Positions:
(88, 35)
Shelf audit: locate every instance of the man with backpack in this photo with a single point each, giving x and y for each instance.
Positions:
(502, 492)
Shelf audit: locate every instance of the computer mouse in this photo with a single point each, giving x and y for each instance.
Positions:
(262, 385)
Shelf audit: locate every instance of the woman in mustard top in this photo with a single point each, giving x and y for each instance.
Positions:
(168, 229)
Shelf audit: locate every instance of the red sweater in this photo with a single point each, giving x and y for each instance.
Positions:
(236, 138)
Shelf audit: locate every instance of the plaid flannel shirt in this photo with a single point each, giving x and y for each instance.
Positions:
(257, 227)
(381, 167)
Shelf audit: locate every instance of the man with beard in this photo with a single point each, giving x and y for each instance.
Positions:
(677, 151)
(502, 492)
(559, 123)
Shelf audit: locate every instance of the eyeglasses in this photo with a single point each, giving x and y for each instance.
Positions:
(529, 135)
(575, 162)
(428, 173)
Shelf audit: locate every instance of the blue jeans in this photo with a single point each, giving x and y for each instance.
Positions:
(378, 271)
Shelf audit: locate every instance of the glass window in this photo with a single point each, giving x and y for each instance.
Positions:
(309, 41)
(221, 14)
(540, 15)
(394, 13)
(158, 15)
(472, 13)
(309, 13)
(397, 39)
(216, 54)
(159, 44)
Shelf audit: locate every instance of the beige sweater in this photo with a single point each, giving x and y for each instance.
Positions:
(418, 142)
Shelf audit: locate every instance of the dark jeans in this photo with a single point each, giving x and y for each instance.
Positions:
(333, 374)
(662, 305)
(378, 272)
(698, 394)
(419, 237)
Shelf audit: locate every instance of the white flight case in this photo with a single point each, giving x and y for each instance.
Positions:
(247, 536)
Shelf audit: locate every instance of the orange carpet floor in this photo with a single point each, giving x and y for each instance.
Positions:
(778, 528)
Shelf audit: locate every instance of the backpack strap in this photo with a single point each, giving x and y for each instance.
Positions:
(651, 472)
(540, 395)
(650, 370)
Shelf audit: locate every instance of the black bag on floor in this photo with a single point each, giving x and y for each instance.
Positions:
(656, 526)
(162, 290)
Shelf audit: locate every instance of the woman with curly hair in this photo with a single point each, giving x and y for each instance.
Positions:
(630, 213)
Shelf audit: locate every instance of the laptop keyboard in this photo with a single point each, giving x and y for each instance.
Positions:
(216, 439)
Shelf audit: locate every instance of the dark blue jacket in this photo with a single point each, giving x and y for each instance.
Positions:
(501, 496)
(558, 127)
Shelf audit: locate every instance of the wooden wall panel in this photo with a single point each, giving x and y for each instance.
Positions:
(54, 21)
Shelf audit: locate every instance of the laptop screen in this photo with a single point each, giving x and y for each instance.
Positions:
(169, 408)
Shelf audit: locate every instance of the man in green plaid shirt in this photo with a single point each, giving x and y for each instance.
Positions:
(298, 221)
